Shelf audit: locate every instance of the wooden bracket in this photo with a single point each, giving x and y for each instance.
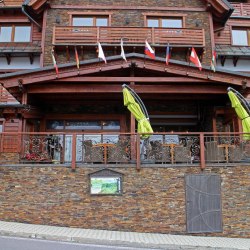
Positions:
(235, 60)
(222, 60)
(31, 58)
(67, 53)
(82, 57)
(8, 58)
(188, 54)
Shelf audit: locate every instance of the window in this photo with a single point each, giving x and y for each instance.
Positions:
(20, 33)
(83, 125)
(240, 37)
(164, 22)
(90, 21)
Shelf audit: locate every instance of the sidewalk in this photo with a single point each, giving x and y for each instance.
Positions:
(149, 240)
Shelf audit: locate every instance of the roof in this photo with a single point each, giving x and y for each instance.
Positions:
(94, 66)
(221, 10)
(228, 50)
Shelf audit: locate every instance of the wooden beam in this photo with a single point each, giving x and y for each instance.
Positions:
(129, 79)
(108, 88)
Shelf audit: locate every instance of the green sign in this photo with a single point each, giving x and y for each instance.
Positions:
(105, 185)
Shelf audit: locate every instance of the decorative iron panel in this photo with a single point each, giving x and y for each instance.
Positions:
(203, 203)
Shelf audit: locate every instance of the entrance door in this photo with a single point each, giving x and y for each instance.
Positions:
(203, 203)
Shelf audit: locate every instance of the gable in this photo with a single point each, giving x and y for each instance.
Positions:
(116, 67)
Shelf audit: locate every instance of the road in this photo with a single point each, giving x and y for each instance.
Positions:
(13, 243)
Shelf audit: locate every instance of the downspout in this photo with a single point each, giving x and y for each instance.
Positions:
(31, 19)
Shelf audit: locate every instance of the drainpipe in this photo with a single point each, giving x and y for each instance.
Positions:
(31, 19)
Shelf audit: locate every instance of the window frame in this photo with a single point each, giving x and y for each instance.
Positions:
(107, 174)
(245, 29)
(160, 16)
(90, 14)
(13, 31)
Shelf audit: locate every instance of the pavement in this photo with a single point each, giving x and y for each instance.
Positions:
(118, 238)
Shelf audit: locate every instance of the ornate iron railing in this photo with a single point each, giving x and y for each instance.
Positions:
(115, 148)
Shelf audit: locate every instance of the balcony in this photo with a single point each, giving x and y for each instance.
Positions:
(132, 36)
(241, 9)
(128, 150)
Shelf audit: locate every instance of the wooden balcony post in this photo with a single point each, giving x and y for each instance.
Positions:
(98, 34)
(153, 35)
(73, 150)
(241, 9)
(202, 152)
(203, 37)
(138, 152)
(54, 35)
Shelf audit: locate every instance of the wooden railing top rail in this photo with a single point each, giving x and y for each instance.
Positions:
(241, 9)
(79, 35)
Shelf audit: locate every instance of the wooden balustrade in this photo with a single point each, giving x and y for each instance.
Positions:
(241, 9)
(76, 35)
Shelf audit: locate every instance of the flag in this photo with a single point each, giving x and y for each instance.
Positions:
(100, 53)
(122, 51)
(167, 54)
(149, 51)
(54, 62)
(77, 58)
(213, 61)
(194, 59)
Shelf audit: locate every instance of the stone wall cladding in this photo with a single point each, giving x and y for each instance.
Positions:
(153, 199)
(135, 19)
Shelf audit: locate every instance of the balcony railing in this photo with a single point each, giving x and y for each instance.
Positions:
(78, 35)
(241, 9)
(183, 149)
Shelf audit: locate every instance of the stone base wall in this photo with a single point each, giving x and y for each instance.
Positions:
(9, 158)
(153, 199)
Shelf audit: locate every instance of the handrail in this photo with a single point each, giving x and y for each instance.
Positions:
(241, 9)
(175, 148)
(79, 35)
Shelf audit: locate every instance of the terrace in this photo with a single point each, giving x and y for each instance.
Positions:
(113, 149)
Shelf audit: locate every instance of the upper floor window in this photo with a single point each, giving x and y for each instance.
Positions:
(14, 33)
(90, 21)
(164, 22)
(240, 37)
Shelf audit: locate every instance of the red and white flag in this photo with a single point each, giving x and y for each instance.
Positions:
(149, 51)
(194, 59)
(77, 58)
(54, 62)
(101, 53)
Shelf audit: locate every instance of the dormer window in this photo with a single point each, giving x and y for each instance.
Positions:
(14, 33)
(240, 37)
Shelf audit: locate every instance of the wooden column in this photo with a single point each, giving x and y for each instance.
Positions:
(132, 123)
(202, 152)
(73, 150)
